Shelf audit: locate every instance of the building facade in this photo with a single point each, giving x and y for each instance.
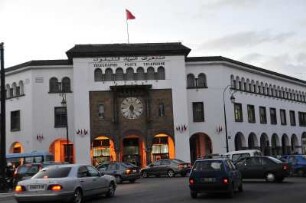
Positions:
(143, 102)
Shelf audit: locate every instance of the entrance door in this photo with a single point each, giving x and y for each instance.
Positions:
(131, 151)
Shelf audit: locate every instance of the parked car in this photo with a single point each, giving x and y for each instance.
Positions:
(169, 167)
(122, 171)
(26, 171)
(297, 163)
(266, 167)
(68, 182)
(217, 175)
(236, 155)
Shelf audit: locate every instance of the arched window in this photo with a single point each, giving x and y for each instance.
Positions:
(66, 87)
(101, 111)
(161, 110)
(98, 74)
(7, 89)
(150, 73)
(140, 74)
(119, 76)
(53, 85)
(238, 84)
(247, 85)
(161, 73)
(201, 80)
(233, 82)
(129, 73)
(243, 88)
(190, 81)
(21, 87)
(14, 90)
(108, 74)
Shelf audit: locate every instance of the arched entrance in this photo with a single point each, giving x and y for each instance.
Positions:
(285, 145)
(264, 144)
(162, 147)
(252, 141)
(275, 150)
(16, 147)
(102, 150)
(133, 150)
(304, 143)
(62, 150)
(294, 144)
(239, 141)
(200, 146)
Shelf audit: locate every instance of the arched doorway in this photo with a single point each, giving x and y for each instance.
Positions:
(275, 150)
(285, 145)
(62, 151)
(264, 144)
(304, 143)
(102, 150)
(16, 147)
(294, 144)
(162, 147)
(252, 141)
(239, 141)
(133, 150)
(200, 146)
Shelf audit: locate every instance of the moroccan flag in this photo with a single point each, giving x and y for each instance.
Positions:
(129, 15)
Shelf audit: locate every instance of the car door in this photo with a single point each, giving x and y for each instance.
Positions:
(154, 168)
(164, 166)
(233, 173)
(85, 181)
(98, 183)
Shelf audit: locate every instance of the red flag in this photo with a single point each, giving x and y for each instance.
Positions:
(129, 15)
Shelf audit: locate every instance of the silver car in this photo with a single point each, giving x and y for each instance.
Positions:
(69, 183)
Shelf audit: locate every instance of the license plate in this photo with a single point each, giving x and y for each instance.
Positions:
(36, 187)
(209, 180)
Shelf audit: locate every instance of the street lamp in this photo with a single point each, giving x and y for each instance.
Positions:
(232, 98)
(64, 104)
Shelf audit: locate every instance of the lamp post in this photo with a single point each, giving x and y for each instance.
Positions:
(64, 104)
(3, 185)
(232, 98)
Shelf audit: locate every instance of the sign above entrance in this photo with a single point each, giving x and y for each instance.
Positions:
(136, 61)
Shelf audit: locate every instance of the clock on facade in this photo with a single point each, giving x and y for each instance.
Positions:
(131, 107)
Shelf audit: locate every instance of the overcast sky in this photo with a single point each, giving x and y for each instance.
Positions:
(270, 34)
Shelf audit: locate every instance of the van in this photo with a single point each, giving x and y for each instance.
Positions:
(236, 155)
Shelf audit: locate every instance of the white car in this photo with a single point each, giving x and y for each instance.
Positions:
(69, 183)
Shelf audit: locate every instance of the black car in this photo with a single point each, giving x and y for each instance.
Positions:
(263, 167)
(169, 167)
(122, 171)
(218, 175)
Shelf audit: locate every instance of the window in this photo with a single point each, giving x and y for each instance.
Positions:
(302, 118)
(130, 74)
(15, 121)
(98, 74)
(119, 74)
(66, 84)
(161, 73)
(101, 111)
(60, 115)
(262, 115)
(140, 73)
(283, 117)
(273, 116)
(292, 118)
(238, 112)
(251, 114)
(201, 80)
(150, 73)
(108, 74)
(190, 81)
(161, 110)
(198, 111)
(53, 85)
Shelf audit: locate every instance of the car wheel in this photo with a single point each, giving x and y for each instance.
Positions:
(77, 196)
(193, 194)
(170, 173)
(118, 179)
(270, 177)
(111, 190)
(300, 173)
(144, 174)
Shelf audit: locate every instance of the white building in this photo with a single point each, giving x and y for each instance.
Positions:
(142, 102)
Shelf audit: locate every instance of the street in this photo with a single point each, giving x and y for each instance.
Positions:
(165, 190)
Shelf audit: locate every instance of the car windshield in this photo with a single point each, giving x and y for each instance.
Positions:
(53, 172)
(178, 161)
(208, 166)
(28, 169)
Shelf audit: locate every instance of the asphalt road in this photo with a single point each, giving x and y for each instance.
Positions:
(166, 190)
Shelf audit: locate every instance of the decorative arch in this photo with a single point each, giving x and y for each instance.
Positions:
(275, 145)
(264, 144)
(129, 73)
(140, 73)
(285, 144)
(200, 146)
(162, 147)
(108, 74)
(119, 76)
(161, 73)
(150, 73)
(190, 81)
(201, 80)
(98, 74)
(66, 86)
(252, 141)
(53, 85)
(62, 149)
(102, 150)
(16, 147)
(21, 87)
(294, 144)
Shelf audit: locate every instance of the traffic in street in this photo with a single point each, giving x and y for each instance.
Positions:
(165, 190)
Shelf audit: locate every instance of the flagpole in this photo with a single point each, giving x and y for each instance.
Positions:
(127, 29)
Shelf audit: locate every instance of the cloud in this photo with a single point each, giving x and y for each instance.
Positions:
(245, 39)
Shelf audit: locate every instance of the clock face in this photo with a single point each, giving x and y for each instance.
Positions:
(131, 107)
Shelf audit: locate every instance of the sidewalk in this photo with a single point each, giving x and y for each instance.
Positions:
(6, 195)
